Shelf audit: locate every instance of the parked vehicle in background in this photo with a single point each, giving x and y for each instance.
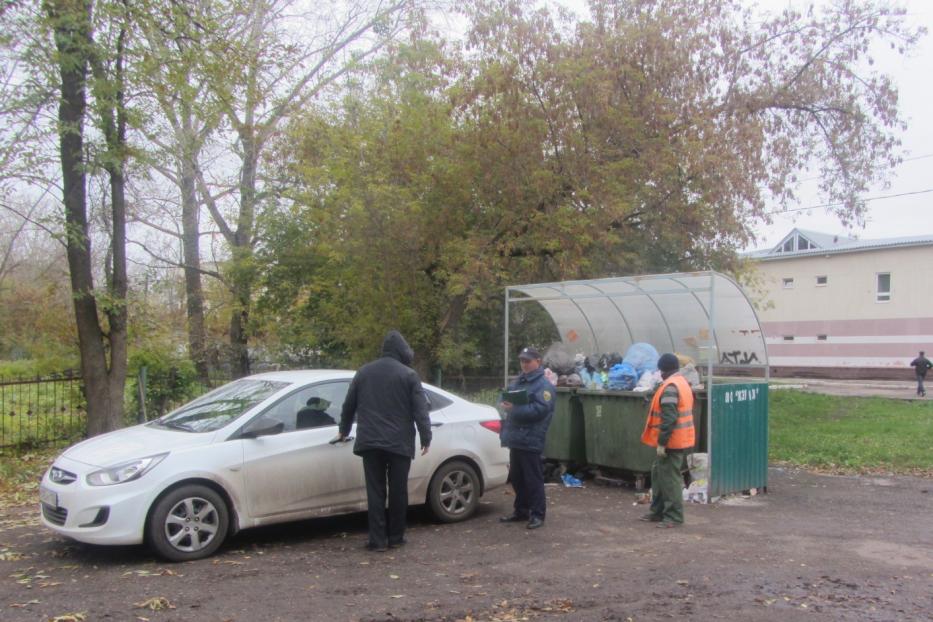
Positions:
(255, 452)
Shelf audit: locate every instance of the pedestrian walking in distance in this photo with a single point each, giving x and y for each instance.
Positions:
(921, 364)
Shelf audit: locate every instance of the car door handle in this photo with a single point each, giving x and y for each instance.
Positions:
(436, 425)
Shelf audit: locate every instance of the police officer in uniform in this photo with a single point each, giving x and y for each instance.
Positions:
(523, 432)
(670, 429)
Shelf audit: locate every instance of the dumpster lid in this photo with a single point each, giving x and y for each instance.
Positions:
(705, 315)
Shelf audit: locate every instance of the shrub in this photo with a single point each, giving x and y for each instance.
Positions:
(170, 380)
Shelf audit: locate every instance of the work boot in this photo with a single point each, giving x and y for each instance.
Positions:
(650, 518)
(534, 522)
(513, 518)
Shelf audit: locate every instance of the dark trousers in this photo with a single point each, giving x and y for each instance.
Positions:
(920, 389)
(527, 475)
(382, 467)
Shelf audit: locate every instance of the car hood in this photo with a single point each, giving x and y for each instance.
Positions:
(136, 442)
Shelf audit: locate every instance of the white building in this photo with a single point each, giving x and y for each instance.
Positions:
(830, 301)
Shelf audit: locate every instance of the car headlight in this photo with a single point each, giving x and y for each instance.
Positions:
(124, 472)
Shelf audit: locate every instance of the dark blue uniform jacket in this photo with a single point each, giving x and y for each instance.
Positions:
(526, 425)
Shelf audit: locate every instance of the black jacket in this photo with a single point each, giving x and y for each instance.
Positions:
(921, 365)
(387, 401)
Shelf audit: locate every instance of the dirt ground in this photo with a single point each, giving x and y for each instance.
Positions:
(814, 547)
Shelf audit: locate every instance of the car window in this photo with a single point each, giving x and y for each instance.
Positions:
(436, 401)
(316, 406)
(216, 409)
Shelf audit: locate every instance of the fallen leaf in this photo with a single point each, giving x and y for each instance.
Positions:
(70, 617)
(393, 576)
(7, 555)
(156, 603)
(26, 604)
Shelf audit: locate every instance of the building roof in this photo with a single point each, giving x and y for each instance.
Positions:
(805, 243)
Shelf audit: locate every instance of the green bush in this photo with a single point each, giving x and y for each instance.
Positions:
(33, 368)
(170, 380)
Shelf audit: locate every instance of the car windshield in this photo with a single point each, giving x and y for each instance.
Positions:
(219, 407)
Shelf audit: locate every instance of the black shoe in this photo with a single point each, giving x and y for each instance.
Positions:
(513, 518)
(650, 518)
(534, 522)
(396, 543)
(376, 548)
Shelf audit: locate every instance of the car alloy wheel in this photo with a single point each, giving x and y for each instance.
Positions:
(189, 523)
(454, 492)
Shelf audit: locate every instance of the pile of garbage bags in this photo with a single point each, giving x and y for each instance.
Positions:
(637, 370)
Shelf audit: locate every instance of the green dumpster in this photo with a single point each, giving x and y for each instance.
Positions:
(614, 421)
(566, 441)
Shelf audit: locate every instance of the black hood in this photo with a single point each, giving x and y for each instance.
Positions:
(396, 347)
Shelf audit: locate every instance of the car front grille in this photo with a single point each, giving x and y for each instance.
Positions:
(56, 516)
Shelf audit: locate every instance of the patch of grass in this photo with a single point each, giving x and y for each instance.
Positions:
(850, 434)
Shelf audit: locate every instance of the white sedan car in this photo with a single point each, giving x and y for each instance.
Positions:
(255, 452)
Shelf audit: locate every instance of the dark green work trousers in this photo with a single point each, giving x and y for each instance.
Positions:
(667, 486)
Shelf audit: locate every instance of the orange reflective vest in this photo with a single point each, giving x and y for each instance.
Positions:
(683, 435)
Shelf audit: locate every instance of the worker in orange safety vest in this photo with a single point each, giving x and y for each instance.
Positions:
(670, 429)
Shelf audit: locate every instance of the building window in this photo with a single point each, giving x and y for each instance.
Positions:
(821, 281)
(789, 283)
(788, 337)
(883, 292)
(821, 337)
(795, 243)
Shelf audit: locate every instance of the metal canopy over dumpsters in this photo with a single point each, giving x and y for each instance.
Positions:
(705, 315)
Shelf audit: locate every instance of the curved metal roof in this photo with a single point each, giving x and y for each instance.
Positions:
(705, 315)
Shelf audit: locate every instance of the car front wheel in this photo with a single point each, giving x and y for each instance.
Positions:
(188, 523)
(454, 492)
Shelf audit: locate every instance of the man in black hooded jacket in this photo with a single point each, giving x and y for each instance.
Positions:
(387, 401)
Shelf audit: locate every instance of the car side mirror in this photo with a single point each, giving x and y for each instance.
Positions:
(263, 426)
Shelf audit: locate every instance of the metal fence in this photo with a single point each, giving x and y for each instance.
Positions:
(35, 411)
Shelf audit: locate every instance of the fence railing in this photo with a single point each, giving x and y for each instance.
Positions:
(34, 411)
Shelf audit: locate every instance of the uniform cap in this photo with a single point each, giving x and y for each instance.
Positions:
(529, 354)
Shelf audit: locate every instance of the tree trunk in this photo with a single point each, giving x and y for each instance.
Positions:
(241, 275)
(72, 29)
(194, 295)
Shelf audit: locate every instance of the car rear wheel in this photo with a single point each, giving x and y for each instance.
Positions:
(188, 523)
(454, 492)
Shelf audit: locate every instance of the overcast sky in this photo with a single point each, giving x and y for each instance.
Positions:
(906, 207)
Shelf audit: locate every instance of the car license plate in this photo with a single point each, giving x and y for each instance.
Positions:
(48, 497)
